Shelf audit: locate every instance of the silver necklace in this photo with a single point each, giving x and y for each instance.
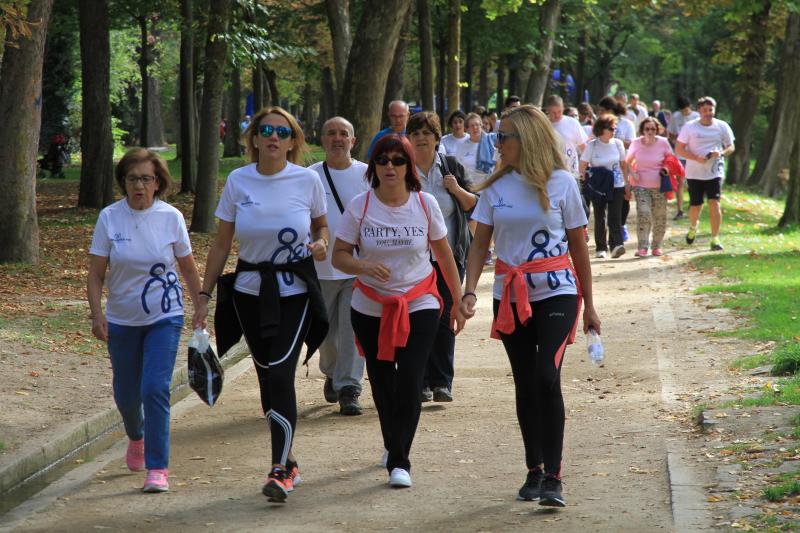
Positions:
(137, 218)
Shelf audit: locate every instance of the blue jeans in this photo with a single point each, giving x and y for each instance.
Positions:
(142, 359)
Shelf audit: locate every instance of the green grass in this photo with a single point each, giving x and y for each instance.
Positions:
(52, 327)
(779, 492)
(749, 362)
(786, 359)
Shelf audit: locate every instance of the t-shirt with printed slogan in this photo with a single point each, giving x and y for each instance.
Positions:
(523, 231)
(608, 155)
(572, 134)
(272, 216)
(348, 182)
(396, 237)
(701, 140)
(141, 247)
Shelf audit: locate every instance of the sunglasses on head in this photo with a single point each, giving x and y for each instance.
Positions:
(266, 130)
(397, 161)
(502, 136)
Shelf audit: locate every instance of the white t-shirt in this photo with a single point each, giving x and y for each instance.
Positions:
(626, 132)
(639, 114)
(433, 183)
(397, 237)
(141, 247)
(701, 140)
(679, 119)
(573, 136)
(273, 216)
(609, 155)
(450, 143)
(349, 183)
(467, 155)
(524, 232)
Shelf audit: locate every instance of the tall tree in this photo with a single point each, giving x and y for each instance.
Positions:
(395, 83)
(341, 38)
(187, 100)
(97, 144)
(453, 52)
(425, 53)
(791, 213)
(20, 107)
(548, 27)
(368, 66)
(210, 115)
(233, 133)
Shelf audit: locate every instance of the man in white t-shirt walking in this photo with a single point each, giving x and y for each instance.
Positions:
(342, 178)
(705, 143)
(569, 130)
(638, 110)
(679, 118)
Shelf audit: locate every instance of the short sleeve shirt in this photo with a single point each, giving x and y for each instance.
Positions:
(523, 231)
(272, 215)
(572, 134)
(701, 140)
(450, 143)
(141, 247)
(649, 161)
(608, 155)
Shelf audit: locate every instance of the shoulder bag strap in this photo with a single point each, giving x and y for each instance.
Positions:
(333, 187)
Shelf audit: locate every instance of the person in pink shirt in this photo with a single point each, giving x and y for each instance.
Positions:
(646, 154)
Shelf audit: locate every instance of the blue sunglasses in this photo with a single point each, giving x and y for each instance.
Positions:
(266, 130)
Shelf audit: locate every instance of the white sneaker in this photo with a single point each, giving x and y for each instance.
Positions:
(618, 251)
(399, 478)
(385, 458)
(601, 254)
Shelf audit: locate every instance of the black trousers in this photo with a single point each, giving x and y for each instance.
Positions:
(275, 359)
(608, 213)
(396, 385)
(440, 370)
(532, 351)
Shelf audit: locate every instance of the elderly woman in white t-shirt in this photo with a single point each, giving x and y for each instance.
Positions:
(533, 208)
(395, 304)
(139, 240)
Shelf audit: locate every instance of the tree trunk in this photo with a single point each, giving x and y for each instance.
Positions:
(580, 68)
(548, 26)
(20, 107)
(341, 39)
(144, 61)
(425, 54)
(441, 75)
(155, 123)
(187, 101)
(368, 66)
(749, 87)
(97, 145)
(233, 133)
(501, 84)
(327, 105)
(258, 87)
(272, 81)
(468, 88)
(483, 82)
(777, 146)
(210, 115)
(453, 52)
(791, 213)
(395, 83)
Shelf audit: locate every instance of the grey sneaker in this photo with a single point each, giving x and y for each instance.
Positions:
(442, 394)
(330, 395)
(618, 251)
(427, 395)
(348, 401)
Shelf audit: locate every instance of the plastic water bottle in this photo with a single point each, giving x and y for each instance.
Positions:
(594, 345)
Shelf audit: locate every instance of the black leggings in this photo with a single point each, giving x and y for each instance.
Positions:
(440, 362)
(536, 351)
(397, 385)
(614, 209)
(275, 359)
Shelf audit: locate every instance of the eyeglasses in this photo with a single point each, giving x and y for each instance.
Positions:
(146, 180)
(266, 130)
(649, 129)
(503, 136)
(397, 161)
(611, 128)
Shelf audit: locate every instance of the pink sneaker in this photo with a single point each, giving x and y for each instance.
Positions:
(657, 252)
(135, 455)
(156, 480)
(641, 252)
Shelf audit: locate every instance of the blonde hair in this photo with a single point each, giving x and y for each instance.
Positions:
(296, 155)
(541, 152)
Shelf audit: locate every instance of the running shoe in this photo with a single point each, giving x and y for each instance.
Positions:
(551, 493)
(679, 215)
(641, 252)
(399, 478)
(657, 252)
(329, 392)
(276, 489)
(618, 251)
(716, 246)
(427, 395)
(156, 480)
(134, 457)
(625, 234)
(292, 475)
(531, 491)
(442, 394)
(601, 254)
(348, 401)
(690, 235)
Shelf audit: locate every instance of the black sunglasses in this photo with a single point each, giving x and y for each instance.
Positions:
(266, 130)
(503, 136)
(397, 161)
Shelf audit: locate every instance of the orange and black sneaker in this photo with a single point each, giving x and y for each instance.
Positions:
(292, 475)
(275, 489)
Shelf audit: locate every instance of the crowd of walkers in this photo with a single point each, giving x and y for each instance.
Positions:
(365, 262)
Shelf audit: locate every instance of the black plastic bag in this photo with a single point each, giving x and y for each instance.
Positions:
(205, 371)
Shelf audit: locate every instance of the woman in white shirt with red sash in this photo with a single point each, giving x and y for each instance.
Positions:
(532, 207)
(395, 304)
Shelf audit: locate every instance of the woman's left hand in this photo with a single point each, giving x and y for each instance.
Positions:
(590, 319)
(628, 191)
(318, 249)
(450, 183)
(457, 318)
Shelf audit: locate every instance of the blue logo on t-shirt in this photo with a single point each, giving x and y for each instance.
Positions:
(168, 285)
(119, 238)
(287, 237)
(501, 203)
(248, 201)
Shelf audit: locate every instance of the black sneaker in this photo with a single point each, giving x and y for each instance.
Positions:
(330, 395)
(442, 394)
(348, 401)
(531, 491)
(679, 215)
(551, 493)
(276, 488)
(427, 395)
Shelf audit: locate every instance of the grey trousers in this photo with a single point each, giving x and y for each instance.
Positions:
(338, 356)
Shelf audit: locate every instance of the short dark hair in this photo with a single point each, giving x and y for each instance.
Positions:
(612, 105)
(649, 120)
(683, 102)
(133, 157)
(706, 100)
(425, 119)
(512, 99)
(602, 123)
(454, 115)
(393, 143)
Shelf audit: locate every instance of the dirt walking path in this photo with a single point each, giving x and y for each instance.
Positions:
(626, 432)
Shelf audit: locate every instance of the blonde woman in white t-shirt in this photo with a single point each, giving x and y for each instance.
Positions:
(533, 208)
(396, 305)
(138, 240)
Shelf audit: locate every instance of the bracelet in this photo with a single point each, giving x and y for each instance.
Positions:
(469, 294)
(206, 294)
